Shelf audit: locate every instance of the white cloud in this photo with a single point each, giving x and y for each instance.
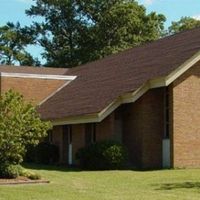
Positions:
(196, 17)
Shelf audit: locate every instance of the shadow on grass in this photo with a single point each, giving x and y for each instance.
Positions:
(50, 167)
(184, 185)
(65, 168)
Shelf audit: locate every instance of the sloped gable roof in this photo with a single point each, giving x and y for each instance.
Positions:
(102, 85)
(36, 84)
(99, 83)
(33, 70)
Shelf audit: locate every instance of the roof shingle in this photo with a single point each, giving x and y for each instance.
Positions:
(99, 83)
(33, 70)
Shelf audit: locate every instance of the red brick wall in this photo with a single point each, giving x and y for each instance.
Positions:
(57, 139)
(186, 119)
(105, 129)
(144, 128)
(78, 139)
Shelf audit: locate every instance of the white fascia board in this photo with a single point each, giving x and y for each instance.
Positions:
(76, 120)
(132, 97)
(38, 76)
(183, 68)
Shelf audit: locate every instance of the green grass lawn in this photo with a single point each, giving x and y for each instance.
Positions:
(108, 185)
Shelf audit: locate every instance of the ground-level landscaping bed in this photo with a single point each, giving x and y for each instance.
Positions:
(21, 180)
(109, 185)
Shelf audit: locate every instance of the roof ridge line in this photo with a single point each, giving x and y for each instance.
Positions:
(131, 48)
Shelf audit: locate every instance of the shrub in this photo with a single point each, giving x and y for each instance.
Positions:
(34, 176)
(46, 153)
(43, 153)
(105, 155)
(20, 126)
(30, 154)
(30, 175)
(10, 171)
(13, 171)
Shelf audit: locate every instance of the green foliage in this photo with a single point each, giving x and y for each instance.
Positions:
(121, 25)
(10, 171)
(34, 176)
(59, 34)
(75, 32)
(43, 153)
(13, 41)
(29, 174)
(30, 154)
(20, 126)
(104, 155)
(13, 171)
(185, 23)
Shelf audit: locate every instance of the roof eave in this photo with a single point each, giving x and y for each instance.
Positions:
(132, 96)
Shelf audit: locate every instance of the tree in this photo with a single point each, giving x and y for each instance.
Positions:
(78, 31)
(60, 31)
(20, 126)
(13, 42)
(118, 25)
(185, 23)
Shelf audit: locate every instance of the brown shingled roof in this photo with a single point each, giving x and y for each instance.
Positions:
(33, 70)
(99, 83)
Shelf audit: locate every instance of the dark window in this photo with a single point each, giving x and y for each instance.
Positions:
(90, 133)
(66, 140)
(70, 134)
(166, 101)
(67, 131)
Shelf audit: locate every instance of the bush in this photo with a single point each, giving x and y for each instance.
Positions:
(10, 171)
(20, 126)
(30, 175)
(30, 154)
(44, 153)
(13, 171)
(104, 155)
(34, 176)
